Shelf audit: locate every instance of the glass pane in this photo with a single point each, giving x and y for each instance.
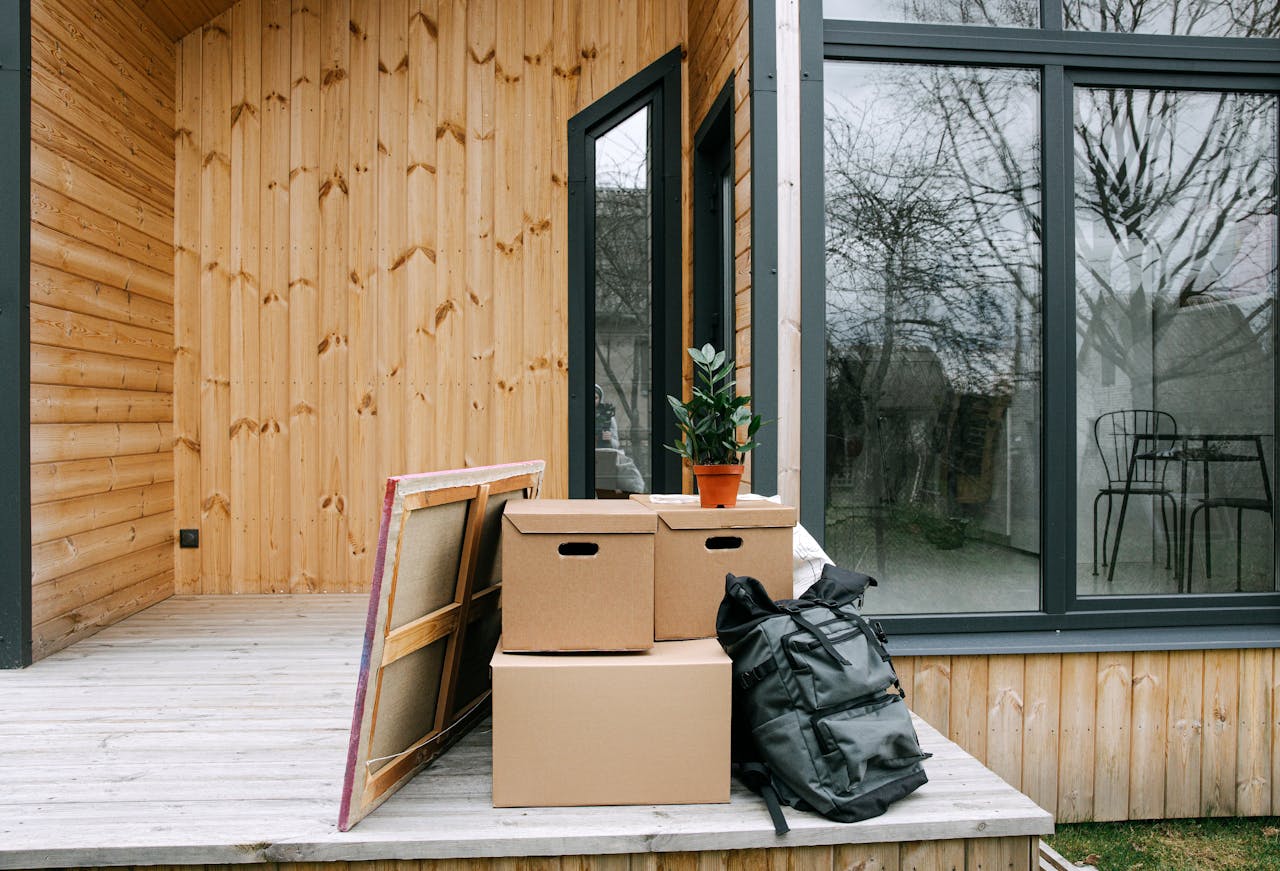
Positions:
(989, 13)
(624, 293)
(1175, 205)
(728, 321)
(1176, 17)
(933, 310)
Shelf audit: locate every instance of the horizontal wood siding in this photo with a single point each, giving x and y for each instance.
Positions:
(1115, 736)
(102, 175)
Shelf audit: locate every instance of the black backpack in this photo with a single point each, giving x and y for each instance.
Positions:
(815, 725)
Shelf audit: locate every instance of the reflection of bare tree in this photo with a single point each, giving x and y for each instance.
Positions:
(1172, 188)
(1247, 18)
(623, 296)
(995, 13)
(932, 264)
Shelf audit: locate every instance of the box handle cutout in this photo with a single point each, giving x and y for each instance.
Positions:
(724, 542)
(579, 548)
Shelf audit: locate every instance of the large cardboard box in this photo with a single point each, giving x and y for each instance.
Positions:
(696, 547)
(612, 729)
(577, 575)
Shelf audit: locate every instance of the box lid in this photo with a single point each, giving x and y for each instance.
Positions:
(747, 514)
(581, 516)
(699, 651)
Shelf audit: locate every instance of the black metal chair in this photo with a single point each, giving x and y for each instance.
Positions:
(1241, 504)
(1114, 434)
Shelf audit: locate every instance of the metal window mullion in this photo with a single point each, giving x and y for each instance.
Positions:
(1050, 46)
(668, 326)
(581, 314)
(1051, 14)
(1058, 460)
(764, 240)
(813, 327)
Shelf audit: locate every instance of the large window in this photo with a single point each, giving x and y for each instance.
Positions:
(1049, 283)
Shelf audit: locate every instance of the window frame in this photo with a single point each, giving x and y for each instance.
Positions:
(1065, 59)
(15, 334)
(657, 86)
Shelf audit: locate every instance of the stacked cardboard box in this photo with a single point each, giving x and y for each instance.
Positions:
(594, 702)
(695, 547)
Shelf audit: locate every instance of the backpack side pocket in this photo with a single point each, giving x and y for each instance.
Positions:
(876, 740)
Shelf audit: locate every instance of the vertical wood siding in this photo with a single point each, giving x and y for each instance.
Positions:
(980, 854)
(371, 273)
(102, 209)
(1115, 736)
(720, 46)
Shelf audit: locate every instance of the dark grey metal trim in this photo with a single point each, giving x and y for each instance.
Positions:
(15, 334)
(813, 282)
(1087, 641)
(657, 85)
(870, 39)
(1058, 397)
(763, 71)
(1051, 14)
(1126, 613)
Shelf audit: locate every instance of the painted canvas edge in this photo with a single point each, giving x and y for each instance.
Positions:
(362, 677)
(397, 487)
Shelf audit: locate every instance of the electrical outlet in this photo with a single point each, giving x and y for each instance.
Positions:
(188, 538)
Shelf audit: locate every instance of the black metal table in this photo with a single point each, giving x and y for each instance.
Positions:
(1185, 449)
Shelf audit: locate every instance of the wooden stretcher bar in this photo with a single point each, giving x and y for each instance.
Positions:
(433, 621)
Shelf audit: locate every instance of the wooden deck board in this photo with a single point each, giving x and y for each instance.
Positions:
(214, 729)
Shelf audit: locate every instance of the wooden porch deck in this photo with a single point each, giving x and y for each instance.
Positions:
(214, 730)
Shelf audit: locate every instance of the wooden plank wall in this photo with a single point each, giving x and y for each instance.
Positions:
(1115, 736)
(371, 272)
(101, 316)
(983, 854)
(720, 46)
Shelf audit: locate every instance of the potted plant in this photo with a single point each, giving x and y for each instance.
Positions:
(709, 425)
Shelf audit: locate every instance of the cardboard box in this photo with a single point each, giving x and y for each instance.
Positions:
(612, 729)
(696, 547)
(577, 575)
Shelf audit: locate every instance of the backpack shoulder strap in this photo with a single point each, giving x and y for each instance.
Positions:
(757, 777)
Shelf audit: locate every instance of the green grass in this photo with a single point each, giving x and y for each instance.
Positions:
(1174, 845)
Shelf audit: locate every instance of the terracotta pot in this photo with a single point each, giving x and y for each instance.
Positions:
(718, 485)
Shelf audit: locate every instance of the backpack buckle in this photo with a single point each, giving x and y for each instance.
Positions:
(880, 633)
(755, 674)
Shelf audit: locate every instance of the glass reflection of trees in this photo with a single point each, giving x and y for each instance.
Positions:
(1236, 18)
(991, 13)
(623, 300)
(933, 279)
(1176, 206)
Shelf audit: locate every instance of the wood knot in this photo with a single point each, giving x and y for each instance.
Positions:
(452, 129)
(443, 310)
(243, 424)
(423, 19)
(332, 76)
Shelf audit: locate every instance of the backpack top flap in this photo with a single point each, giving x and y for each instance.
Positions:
(839, 586)
(745, 605)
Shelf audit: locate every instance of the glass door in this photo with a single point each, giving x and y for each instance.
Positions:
(624, 293)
